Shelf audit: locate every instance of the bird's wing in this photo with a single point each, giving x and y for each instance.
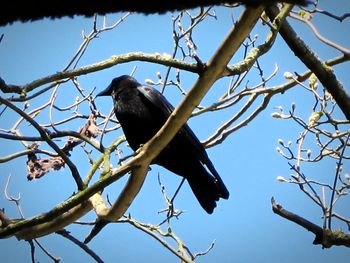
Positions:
(158, 100)
(164, 106)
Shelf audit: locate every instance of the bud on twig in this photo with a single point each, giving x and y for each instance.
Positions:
(288, 75)
(313, 81)
(281, 179)
(280, 141)
(315, 116)
(149, 82)
(276, 115)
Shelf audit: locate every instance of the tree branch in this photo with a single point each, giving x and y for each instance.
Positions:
(157, 58)
(324, 237)
(48, 140)
(52, 225)
(325, 40)
(153, 230)
(323, 72)
(164, 59)
(66, 212)
(83, 246)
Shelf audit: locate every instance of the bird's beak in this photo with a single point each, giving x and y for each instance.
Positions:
(105, 92)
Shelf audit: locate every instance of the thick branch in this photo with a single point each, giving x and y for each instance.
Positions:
(55, 224)
(123, 201)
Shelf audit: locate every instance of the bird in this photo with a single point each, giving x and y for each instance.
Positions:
(141, 111)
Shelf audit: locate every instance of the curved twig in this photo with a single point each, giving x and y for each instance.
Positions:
(48, 140)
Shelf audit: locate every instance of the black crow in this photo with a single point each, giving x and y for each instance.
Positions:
(141, 112)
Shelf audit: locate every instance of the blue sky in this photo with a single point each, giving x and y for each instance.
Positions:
(243, 227)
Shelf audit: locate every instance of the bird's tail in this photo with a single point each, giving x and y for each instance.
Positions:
(207, 189)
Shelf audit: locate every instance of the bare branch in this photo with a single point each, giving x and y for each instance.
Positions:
(83, 246)
(325, 40)
(11, 198)
(336, 178)
(279, 210)
(93, 34)
(340, 18)
(150, 230)
(324, 237)
(112, 61)
(54, 259)
(32, 250)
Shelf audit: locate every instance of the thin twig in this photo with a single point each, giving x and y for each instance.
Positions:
(150, 230)
(80, 244)
(325, 40)
(337, 174)
(54, 259)
(13, 199)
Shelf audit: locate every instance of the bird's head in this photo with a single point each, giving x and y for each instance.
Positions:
(118, 84)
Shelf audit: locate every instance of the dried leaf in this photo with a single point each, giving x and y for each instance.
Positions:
(37, 168)
(90, 129)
